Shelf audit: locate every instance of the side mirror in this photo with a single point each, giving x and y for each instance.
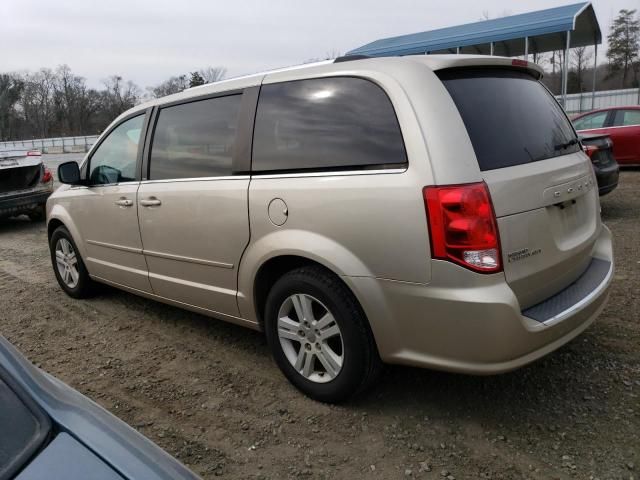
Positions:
(69, 173)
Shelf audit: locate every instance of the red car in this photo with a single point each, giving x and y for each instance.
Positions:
(622, 124)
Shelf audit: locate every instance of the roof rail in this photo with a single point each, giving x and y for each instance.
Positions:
(348, 58)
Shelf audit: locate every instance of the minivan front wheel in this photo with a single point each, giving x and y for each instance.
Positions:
(68, 266)
(319, 336)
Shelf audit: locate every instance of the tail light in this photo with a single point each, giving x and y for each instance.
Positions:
(34, 153)
(590, 150)
(463, 226)
(46, 175)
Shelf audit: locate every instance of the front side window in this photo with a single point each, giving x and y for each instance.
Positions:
(594, 120)
(195, 140)
(116, 157)
(325, 123)
(627, 118)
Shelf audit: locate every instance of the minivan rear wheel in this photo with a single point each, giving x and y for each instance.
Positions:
(68, 266)
(319, 335)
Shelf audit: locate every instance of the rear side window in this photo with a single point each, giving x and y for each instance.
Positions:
(328, 123)
(195, 140)
(510, 117)
(626, 118)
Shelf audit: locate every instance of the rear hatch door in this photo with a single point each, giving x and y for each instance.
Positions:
(541, 183)
(18, 172)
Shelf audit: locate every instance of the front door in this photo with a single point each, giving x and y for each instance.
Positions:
(193, 211)
(106, 216)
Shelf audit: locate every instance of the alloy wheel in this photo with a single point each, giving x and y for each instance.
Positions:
(310, 338)
(67, 263)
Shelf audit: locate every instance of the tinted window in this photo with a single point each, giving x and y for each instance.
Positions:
(23, 430)
(325, 123)
(593, 120)
(116, 157)
(626, 118)
(195, 139)
(510, 117)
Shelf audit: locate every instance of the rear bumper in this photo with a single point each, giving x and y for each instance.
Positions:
(607, 178)
(21, 203)
(473, 323)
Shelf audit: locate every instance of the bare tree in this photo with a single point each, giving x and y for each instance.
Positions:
(37, 101)
(168, 87)
(329, 55)
(212, 74)
(59, 103)
(11, 87)
(119, 95)
(579, 58)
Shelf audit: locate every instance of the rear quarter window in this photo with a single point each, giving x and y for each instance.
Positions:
(511, 118)
(328, 123)
(627, 118)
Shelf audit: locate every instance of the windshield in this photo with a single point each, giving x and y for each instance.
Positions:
(511, 118)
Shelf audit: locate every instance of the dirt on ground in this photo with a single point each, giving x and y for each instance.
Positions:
(210, 394)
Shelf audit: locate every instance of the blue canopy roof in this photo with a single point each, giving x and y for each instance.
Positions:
(545, 30)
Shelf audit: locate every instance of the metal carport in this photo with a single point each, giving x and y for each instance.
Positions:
(559, 28)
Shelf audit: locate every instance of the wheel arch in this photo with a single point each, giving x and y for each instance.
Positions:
(270, 271)
(59, 217)
(278, 252)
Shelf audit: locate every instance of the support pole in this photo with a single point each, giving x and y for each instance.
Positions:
(595, 69)
(491, 48)
(565, 71)
(526, 48)
(458, 50)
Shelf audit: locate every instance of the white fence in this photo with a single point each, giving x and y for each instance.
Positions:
(52, 145)
(582, 102)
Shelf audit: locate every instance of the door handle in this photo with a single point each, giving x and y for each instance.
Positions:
(124, 202)
(150, 202)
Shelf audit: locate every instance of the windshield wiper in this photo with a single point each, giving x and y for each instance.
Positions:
(562, 146)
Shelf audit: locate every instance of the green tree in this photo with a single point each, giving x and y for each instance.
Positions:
(624, 44)
(196, 79)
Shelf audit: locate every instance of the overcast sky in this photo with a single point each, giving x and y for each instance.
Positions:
(149, 40)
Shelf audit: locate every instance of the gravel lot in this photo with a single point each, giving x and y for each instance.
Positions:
(209, 393)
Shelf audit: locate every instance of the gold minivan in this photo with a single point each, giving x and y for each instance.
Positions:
(435, 211)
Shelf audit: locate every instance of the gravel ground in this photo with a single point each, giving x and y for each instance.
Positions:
(209, 393)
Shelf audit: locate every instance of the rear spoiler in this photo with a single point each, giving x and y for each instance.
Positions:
(440, 62)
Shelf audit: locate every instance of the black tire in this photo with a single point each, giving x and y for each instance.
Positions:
(361, 363)
(85, 287)
(38, 214)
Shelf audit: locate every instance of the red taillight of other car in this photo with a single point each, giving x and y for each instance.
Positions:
(590, 150)
(46, 175)
(463, 226)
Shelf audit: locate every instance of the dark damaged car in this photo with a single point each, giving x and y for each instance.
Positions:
(25, 184)
(599, 148)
